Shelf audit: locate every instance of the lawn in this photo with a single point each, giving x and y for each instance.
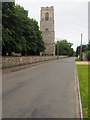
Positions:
(77, 59)
(83, 82)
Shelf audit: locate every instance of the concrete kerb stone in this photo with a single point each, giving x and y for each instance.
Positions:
(78, 90)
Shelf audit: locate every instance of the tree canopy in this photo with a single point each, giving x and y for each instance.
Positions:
(65, 48)
(85, 48)
(20, 33)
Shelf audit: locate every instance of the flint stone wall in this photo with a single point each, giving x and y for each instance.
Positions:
(16, 61)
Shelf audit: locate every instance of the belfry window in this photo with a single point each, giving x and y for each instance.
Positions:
(47, 17)
(46, 29)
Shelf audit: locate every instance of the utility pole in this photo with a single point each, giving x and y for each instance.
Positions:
(57, 49)
(58, 40)
(81, 48)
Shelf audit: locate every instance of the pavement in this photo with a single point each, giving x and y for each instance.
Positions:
(43, 91)
(83, 62)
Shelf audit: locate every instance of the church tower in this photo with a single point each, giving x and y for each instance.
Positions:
(47, 28)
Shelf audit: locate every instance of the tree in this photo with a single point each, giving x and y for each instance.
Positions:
(8, 42)
(84, 49)
(38, 39)
(21, 34)
(65, 48)
(88, 47)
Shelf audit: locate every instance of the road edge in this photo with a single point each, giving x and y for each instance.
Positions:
(78, 91)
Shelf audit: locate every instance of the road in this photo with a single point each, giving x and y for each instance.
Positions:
(44, 91)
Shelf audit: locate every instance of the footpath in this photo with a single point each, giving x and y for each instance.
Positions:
(83, 63)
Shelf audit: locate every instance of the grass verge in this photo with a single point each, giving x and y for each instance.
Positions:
(83, 82)
(77, 59)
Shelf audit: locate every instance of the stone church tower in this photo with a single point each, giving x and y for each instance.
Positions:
(47, 28)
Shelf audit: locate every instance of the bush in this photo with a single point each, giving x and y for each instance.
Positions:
(88, 55)
(77, 59)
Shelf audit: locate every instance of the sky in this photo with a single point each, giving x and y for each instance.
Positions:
(71, 17)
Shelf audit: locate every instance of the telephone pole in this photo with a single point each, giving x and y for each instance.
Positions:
(81, 48)
(57, 49)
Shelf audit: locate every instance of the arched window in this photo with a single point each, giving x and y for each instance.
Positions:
(47, 17)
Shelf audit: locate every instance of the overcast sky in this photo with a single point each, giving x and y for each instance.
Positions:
(71, 17)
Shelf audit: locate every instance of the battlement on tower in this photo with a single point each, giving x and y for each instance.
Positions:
(48, 8)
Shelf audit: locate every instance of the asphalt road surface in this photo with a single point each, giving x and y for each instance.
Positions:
(43, 91)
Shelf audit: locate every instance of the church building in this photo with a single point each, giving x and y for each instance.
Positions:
(47, 28)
